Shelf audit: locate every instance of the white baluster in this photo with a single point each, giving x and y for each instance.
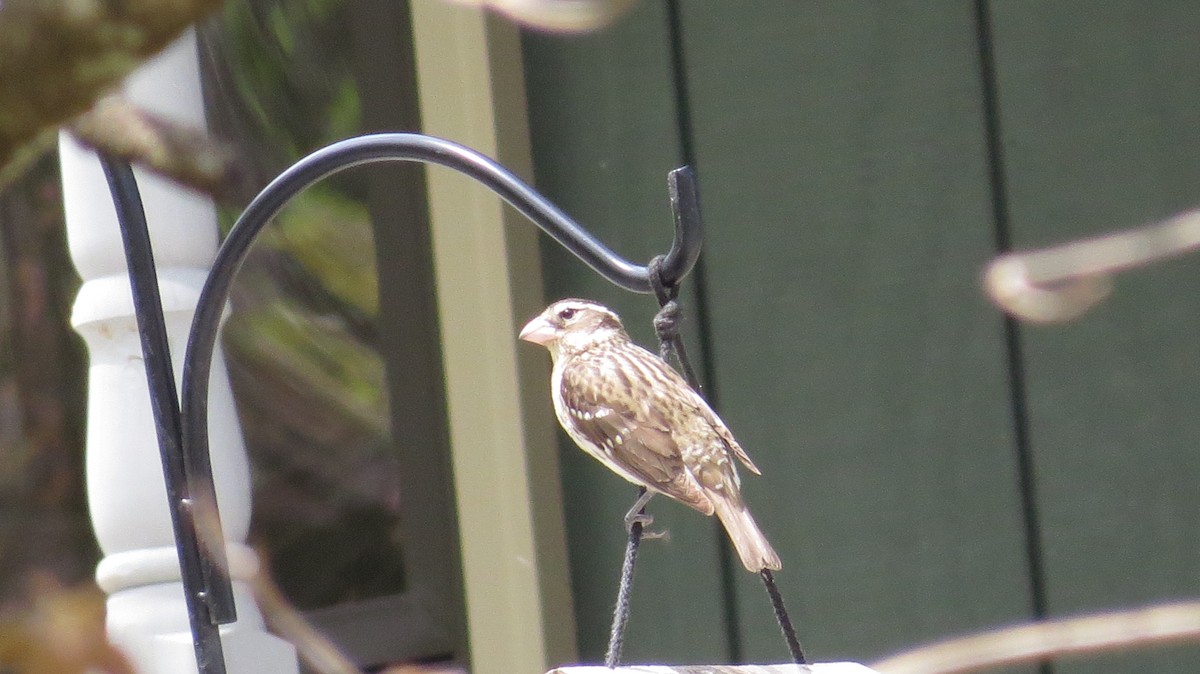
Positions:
(147, 615)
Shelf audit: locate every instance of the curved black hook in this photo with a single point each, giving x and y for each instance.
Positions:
(685, 250)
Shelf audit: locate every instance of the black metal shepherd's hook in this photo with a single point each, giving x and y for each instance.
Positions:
(182, 424)
(216, 596)
(207, 591)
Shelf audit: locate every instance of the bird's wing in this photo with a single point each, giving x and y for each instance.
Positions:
(723, 431)
(630, 430)
(702, 408)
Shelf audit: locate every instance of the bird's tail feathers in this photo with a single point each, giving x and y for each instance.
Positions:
(751, 545)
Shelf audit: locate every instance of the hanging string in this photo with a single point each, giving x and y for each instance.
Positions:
(616, 637)
(670, 347)
(782, 617)
(666, 327)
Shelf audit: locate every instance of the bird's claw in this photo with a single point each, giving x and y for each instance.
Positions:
(664, 535)
(644, 521)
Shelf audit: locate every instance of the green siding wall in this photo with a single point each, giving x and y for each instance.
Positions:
(852, 198)
(1100, 116)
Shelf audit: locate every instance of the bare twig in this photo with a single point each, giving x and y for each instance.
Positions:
(315, 648)
(1063, 282)
(185, 154)
(1051, 639)
(58, 56)
(321, 654)
(567, 16)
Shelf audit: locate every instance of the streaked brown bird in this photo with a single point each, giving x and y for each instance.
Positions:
(638, 416)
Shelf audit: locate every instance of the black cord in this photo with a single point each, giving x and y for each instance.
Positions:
(666, 326)
(666, 322)
(199, 574)
(616, 637)
(782, 617)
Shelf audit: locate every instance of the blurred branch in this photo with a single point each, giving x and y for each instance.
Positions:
(315, 648)
(57, 57)
(565, 16)
(185, 154)
(1062, 282)
(1046, 640)
(321, 654)
(43, 456)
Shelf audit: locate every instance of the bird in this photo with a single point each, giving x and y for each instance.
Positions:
(635, 414)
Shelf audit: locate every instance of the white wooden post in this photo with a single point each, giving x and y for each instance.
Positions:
(147, 616)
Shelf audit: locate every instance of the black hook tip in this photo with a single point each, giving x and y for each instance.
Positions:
(689, 227)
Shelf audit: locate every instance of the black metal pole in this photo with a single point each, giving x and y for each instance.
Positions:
(207, 590)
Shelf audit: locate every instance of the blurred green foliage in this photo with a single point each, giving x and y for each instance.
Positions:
(329, 234)
(289, 65)
(302, 340)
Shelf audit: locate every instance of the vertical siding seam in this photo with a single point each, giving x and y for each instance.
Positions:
(683, 121)
(1012, 335)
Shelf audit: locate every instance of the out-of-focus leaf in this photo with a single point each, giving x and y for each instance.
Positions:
(314, 356)
(58, 56)
(330, 236)
(285, 53)
(62, 632)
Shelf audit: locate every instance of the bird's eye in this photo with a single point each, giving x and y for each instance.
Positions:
(567, 314)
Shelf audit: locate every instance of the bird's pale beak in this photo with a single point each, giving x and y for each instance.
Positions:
(538, 331)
